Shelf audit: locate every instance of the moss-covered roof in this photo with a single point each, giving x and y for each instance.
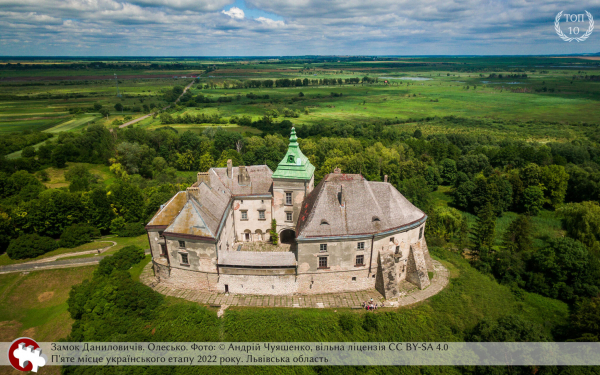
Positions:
(294, 164)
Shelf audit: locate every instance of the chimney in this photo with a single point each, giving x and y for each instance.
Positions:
(337, 170)
(229, 168)
(243, 176)
(203, 177)
(385, 178)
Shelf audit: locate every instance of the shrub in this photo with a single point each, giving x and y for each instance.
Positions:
(131, 230)
(78, 234)
(30, 246)
(122, 260)
(117, 224)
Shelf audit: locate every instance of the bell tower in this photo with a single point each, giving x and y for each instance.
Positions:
(292, 182)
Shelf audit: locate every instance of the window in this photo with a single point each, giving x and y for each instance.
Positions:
(244, 215)
(288, 216)
(322, 262)
(420, 232)
(360, 246)
(261, 215)
(375, 218)
(324, 222)
(288, 198)
(397, 249)
(323, 247)
(184, 258)
(163, 250)
(181, 243)
(360, 260)
(391, 239)
(291, 159)
(354, 278)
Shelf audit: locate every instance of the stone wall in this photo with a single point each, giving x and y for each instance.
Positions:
(333, 282)
(251, 284)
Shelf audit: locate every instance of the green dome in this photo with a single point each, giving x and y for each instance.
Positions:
(294, 165)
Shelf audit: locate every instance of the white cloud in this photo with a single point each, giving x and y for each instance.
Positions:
(269, 22)
(235, 13)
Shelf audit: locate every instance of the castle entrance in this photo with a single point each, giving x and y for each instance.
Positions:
(287, 236)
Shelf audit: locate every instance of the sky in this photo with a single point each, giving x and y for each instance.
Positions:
(291, 27)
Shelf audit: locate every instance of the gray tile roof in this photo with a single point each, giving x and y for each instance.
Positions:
(260, 180)
(366, 208)
(256, 259)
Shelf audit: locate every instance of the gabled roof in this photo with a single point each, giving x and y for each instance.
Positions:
(294, 164)
(347, 204)
(190, 222)
(169, 211)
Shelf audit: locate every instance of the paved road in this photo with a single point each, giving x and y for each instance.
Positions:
(152, 114)
(34, 266)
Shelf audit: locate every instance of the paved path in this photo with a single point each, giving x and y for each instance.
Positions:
(349, 300)
(67, 255)
(152, 114)
(39, 266)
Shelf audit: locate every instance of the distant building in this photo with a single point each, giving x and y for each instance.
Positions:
(345, 234)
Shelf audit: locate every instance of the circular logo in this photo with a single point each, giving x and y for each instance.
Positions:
(574, 30)
(24, 354)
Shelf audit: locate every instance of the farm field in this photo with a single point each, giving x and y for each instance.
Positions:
(486, 147)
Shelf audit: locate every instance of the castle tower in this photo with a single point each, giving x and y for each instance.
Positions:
(292, 182)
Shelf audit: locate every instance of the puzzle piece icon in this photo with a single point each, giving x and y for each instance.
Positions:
(27, 354)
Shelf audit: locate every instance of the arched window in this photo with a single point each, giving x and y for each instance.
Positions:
(247, 234)
(258, 235)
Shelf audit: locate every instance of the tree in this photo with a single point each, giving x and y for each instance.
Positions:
(555, 180)
(97, 107)
(417, 191)
(485, 229)
(585, 321)
(273, 232)
(463, 234)
(448, 171)
(582, 222)
(104, 112)
(444, 222)
(78, 234)
(28, 152)
(100, 213)
(518, 235)
(564, 270)
(59, 159)
(122, 260)
(532, 200)
(418, 134)
(118, 107)
(127, 201)
(509, 328)
(30, 246)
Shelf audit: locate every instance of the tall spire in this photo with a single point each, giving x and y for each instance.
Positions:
(294, 164)
(293, 138)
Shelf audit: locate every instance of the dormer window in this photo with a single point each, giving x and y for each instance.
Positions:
(375, 218)
(291, 159)
(324, 222)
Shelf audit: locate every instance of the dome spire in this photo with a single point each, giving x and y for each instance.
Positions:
(293, 138)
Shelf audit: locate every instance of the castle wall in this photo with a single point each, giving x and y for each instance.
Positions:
(155, 247)
(201, 254)
(252, 206)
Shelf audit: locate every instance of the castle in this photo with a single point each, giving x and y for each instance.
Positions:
(345, 234)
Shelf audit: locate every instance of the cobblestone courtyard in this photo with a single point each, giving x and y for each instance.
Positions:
(410, 294)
